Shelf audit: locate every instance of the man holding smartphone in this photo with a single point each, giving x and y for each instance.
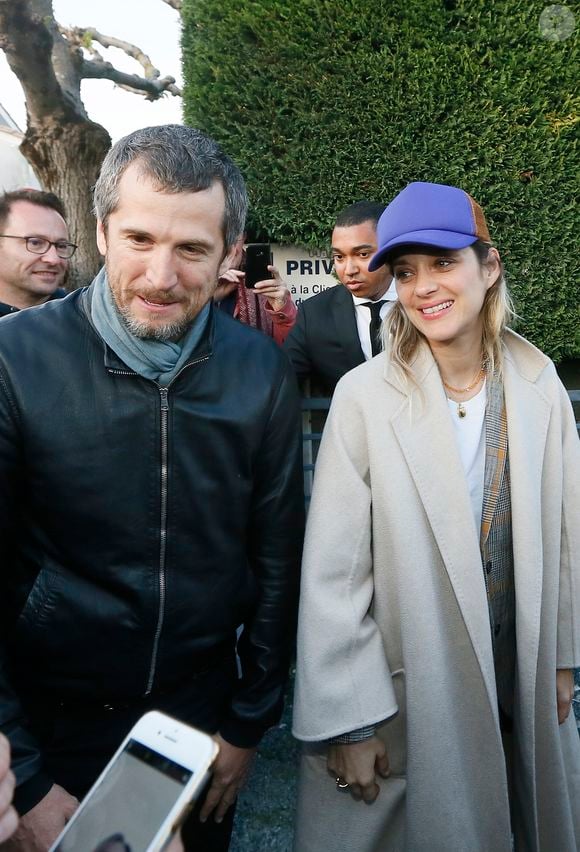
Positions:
(131, 413)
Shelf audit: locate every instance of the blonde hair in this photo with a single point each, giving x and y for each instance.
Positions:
(403, 340)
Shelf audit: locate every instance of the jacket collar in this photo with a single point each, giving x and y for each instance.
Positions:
(6, 309)
(344, 318)
(524, 359)
(422, 365)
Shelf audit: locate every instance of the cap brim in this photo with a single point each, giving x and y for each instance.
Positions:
(436, 239)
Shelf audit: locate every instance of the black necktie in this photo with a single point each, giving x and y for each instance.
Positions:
(375, 324)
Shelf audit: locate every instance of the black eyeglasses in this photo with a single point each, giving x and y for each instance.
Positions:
(40, 245)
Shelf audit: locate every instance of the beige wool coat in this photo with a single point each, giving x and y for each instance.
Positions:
(394, 619)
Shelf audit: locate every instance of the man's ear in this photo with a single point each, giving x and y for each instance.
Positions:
(231, 259)
(101, 238)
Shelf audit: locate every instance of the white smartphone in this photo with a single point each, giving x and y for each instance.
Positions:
(145, 791)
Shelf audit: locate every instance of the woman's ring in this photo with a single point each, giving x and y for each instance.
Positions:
(340, 784)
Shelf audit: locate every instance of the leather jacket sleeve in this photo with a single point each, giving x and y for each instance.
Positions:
(32, 782)
(275, 547)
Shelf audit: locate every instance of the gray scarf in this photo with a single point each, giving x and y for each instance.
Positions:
(152, 359)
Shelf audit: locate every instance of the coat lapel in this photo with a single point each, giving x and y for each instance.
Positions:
(526, 442)
(424, 431)
(344, 318)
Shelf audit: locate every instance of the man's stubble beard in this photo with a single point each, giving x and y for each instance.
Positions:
(166, 332)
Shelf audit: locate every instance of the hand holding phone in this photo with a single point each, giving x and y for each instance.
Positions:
(258, 257)
(143, 795)
(45, 821)
(274, 290)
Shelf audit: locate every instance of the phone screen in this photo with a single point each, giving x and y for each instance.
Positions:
(125, 811)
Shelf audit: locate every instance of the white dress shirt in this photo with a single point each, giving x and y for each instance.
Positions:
(363, 317)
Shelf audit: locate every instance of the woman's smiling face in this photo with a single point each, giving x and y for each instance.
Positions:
(442, 291)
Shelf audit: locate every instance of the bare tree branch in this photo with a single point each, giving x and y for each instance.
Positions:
(152, 85)
(84, 36)
(62, 144)
(152, 89)
(27, 40)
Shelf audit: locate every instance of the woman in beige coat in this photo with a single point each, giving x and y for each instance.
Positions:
(440, 610)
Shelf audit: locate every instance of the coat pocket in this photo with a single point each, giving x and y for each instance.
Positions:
(41, 600)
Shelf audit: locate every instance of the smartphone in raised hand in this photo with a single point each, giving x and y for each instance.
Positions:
(258, 258)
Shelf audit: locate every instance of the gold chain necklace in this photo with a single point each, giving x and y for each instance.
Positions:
(461, 409)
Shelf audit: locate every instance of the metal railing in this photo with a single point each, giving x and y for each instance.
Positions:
(314, 410)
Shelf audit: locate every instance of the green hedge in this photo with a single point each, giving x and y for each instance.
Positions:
(324, 102)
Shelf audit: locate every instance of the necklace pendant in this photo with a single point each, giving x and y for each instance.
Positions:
(461, 410)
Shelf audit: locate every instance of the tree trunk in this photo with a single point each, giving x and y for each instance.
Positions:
(64, 147)
(66, 157)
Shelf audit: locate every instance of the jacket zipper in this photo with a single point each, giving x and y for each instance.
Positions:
(164, 395)
(162, 537)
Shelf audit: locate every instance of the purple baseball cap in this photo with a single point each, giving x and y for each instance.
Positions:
(429, 214)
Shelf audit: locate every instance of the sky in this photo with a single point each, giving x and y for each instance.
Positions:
(150, 24)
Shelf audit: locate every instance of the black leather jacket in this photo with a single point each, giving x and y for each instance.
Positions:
(141, 526)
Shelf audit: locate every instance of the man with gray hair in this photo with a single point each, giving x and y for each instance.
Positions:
(150, 496)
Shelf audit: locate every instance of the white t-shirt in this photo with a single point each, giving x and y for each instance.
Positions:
(470, 434)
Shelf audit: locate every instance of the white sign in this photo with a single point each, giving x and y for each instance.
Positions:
(306, 272)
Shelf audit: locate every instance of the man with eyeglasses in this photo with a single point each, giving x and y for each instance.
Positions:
(34, 249)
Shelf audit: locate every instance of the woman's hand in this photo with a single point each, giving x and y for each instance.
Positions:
(564, 692)
(357, 764)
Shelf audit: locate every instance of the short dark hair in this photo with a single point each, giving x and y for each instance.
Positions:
(359, 212)
(178, 159)
(33, 196)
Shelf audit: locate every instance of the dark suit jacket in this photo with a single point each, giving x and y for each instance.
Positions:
(324, 343)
